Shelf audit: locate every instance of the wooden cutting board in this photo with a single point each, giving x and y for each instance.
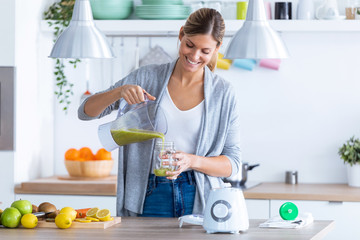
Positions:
(102, 225)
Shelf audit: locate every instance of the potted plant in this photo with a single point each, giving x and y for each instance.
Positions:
(350, 153)
(59, 15)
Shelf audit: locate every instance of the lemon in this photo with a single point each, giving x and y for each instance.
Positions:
(103, 215)
(70, 211)
(63, 220)
(29, 220)
(82, 220)
(92, 212)
(92, 219)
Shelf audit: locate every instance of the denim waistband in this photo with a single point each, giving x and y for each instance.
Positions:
(187, 176)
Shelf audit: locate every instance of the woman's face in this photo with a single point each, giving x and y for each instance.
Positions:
(196, 51)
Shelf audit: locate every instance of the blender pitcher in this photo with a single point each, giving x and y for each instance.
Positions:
(134, 123)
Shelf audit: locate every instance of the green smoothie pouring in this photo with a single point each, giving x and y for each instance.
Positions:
(127, 136)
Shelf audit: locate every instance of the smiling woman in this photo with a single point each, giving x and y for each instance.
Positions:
(202, 117)
(196, 51)
(208, 36)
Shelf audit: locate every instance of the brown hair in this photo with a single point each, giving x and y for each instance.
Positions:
(206, 21)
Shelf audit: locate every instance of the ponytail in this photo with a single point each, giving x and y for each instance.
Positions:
(212, 64)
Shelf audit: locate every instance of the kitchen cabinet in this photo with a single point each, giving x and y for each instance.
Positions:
(74, 201)
(337, 202)
(347, 224)
(258, 208)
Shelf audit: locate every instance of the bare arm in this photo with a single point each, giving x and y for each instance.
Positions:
(214, 166)
(219, 166)
(97, 103)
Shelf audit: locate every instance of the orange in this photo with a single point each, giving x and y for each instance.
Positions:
(72, 154)
(102, 154)
(86, 153)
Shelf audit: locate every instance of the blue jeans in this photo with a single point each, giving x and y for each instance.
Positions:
(170, 198)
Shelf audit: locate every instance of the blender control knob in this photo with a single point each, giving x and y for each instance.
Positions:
(221, 211)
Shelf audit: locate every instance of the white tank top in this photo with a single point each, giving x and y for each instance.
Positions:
(183, 126)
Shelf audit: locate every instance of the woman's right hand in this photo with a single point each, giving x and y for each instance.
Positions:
(133, 94)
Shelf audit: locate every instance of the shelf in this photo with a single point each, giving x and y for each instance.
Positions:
(172, 27)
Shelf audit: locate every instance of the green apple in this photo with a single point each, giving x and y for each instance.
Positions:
(24, 206)
(11, 217)
(1, 211)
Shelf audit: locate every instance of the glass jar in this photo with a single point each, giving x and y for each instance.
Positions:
(163, 159)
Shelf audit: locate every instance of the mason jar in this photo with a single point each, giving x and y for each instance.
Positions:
(163, 158)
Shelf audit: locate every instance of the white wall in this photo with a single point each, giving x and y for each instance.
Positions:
(298, 117)
(34, 98)
(7, 31)
(7, 46)
(294, 118)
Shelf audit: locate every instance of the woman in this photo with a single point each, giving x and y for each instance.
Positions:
(203, 121)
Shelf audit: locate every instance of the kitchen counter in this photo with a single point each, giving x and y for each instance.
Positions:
(168, 228)
(304, 191)
(107, 187)
(65, 185)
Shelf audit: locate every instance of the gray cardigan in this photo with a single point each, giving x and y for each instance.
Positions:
(219, 135)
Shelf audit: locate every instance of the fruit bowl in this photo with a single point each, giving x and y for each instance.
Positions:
(95, 168)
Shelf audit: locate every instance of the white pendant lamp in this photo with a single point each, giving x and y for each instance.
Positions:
(256, 39)
(82, 39)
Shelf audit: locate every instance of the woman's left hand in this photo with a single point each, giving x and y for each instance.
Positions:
(182, 163)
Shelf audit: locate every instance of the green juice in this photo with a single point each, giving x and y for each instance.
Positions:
(161, 172)
(124, 137)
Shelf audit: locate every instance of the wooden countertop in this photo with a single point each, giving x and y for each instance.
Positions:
(135, 228)
(107, 187)
(304, 191)
(65, 185)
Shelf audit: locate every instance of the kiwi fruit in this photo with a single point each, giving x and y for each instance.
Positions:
(34, 208)
(53, 214)
(46, 207)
